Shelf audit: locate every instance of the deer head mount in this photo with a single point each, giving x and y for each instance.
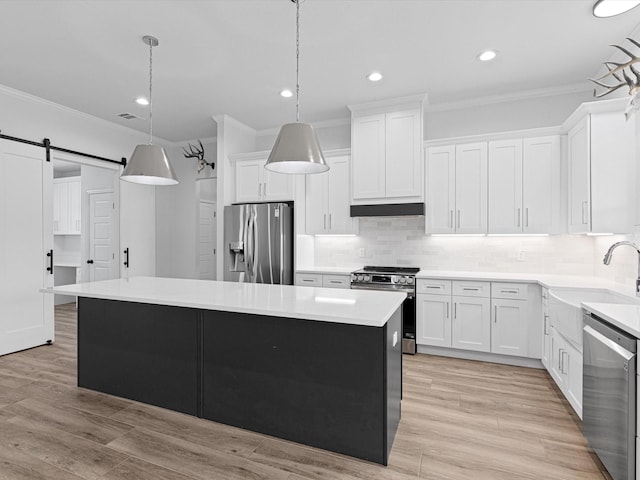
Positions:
(198, 152)
(617, 71)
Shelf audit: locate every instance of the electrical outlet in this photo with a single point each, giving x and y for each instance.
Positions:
(362, 252)
(520, 256)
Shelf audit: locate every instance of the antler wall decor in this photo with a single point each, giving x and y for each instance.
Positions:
(195, 152)
(618, 72)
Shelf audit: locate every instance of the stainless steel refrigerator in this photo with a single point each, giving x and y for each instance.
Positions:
(258, 243)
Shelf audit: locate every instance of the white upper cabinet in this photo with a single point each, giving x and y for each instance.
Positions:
(524, 185)
(386, 146)
(67, 206)
(327, 199)
(602, 172)
(456, 180)
(254, 183)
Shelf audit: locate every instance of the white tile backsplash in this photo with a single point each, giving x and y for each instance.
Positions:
(401, 241)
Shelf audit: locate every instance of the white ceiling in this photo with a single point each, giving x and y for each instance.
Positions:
(234, 56)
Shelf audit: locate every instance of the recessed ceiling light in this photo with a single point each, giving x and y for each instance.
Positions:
(142, 101)
(374, 77)
(286, 93)
(487, 55)
(611, 8)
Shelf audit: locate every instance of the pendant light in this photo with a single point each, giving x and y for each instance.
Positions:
(296, 150)
(611, 8)
(149, 163)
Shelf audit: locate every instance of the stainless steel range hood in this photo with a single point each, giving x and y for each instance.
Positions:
(387, 210)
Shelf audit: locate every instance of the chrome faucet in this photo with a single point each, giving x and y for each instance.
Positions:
(607, 260)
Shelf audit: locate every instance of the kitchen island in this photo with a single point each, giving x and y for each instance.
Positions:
(317, 366)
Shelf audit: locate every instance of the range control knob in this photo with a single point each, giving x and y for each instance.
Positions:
(360, 278)
(367, 278)
(354, 277)
(409, 280)
(402, 280)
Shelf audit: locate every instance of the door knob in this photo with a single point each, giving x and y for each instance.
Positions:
(90, 262)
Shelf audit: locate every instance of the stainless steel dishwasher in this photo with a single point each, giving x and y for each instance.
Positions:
(609, 395)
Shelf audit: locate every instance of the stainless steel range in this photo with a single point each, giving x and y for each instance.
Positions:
(395, 279)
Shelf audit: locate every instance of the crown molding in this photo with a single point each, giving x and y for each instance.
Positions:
(510, 97)
(336, 122)
(508, 135)
(225, 118)
(107, 123)
(264, 154)
(184, 143)
(411, 101)
(601, 106)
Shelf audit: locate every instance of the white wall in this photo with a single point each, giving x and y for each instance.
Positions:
(26, 116)
(519, 114)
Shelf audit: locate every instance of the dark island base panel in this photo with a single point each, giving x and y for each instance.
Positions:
(327, 385)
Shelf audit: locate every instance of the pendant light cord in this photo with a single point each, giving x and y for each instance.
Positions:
(297, 60)
(150, 93)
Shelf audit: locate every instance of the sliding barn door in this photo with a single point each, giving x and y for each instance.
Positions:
(26, 236)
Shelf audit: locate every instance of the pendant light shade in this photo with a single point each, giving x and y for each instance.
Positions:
(149, 163)
(297, 150)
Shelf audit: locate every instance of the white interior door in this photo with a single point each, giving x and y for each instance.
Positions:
(26, 236)
(102, 257)
(207, 240)
(138, 229)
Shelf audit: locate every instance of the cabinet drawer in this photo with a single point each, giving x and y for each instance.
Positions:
(336, 281)
(517, 291)
(471, 289)
(309, 279)
(436, 287)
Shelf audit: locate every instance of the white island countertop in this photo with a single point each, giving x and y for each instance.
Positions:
(355, 307)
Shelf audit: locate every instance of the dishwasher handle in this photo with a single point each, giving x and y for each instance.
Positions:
(615, 347)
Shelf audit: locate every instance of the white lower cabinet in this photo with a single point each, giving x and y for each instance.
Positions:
(546, 334)
(333, 280)
(565, 366)
(433, 320)
(471, 325)
(509, 327)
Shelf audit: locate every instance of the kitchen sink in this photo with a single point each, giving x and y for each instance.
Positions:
(565, 312)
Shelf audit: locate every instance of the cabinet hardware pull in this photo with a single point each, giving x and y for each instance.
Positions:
(526, 217)
(330, 222)
(471, 289)
(509, 291)
(447, 309)
(495, 314)
(264, 189)
(50, 267)
(335, 281)
(546, 318)
(458, 219)
(90, 262)
(518, 218)
(126, 257)
(455, 310)
(433, 286)
(307, 280)
(324, 223)
(451, 225)
(584, 204)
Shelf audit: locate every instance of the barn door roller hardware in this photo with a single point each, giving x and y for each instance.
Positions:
(46, 144)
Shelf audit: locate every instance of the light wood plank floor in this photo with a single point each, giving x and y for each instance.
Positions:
(460, 420)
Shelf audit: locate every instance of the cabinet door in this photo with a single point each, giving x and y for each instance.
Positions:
(440, 190)
(579, 155)
(338, 201)
(75, 207)
(249, 181)
(541, 185)
(402, 154)
(368, 162)
(555, 359)
(60, 199)
(505, 186)
(509, 327)
(317, 188)
(572, 364)
(471, 188)
(471, 325)
(433, 320)
(276, 187)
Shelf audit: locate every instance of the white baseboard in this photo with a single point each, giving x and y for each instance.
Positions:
(481, 356)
